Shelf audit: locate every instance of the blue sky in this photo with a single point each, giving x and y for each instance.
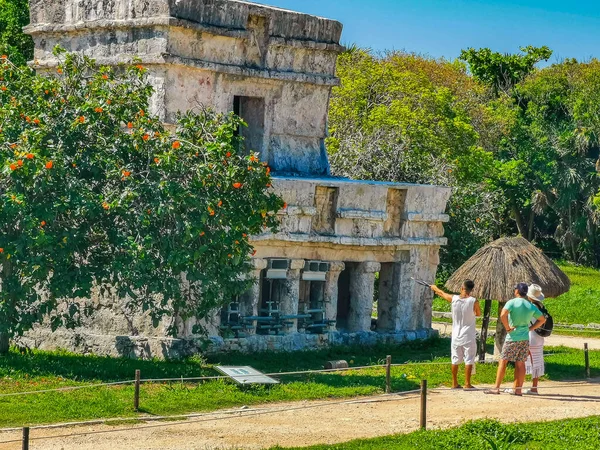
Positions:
(441, 28)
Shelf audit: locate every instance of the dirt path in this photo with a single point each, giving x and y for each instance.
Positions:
(554, 340)
(327, 422)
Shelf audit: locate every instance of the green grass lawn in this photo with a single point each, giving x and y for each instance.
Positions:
(44, 370)
(580, 305)
(572, 434)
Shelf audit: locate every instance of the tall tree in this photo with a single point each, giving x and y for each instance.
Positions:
(406, 118)
(502, 71)
(95, 192)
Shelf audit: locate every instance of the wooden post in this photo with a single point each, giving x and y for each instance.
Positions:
(388, 374)
(25, 438)
(484, 329)
(423, 421)
(587, 360)
(136, 395)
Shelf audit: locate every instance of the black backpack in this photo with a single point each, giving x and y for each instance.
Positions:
(546, 329)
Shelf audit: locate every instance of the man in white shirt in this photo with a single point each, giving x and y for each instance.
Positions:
(464, 335)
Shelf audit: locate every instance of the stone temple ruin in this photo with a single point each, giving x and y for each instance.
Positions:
(316, 278)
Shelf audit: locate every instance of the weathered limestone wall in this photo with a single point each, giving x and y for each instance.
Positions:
(208, 52)
(367, 223)
(360, 241)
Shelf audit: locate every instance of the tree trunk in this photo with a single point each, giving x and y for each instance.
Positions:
(4, 343)
(500, 333)
(531, 226)
(484, 330)
(519, 220)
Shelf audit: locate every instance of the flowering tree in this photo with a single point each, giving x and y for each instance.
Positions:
(94, 191)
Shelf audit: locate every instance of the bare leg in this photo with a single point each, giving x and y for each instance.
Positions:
(455, 376)
(535, 385)
(519, 376)
(468, 372)
(499, 377)
(501, 372)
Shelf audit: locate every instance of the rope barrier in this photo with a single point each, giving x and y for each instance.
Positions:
(556, 328)
(273, 374)
(225, 377)
(67, 388)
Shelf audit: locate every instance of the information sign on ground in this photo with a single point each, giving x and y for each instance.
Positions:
(246, 375)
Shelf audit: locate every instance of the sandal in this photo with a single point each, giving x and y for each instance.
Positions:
(492, 391)
(456, 387)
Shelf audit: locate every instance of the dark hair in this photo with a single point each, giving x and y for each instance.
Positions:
(522, 288)
(468, 285)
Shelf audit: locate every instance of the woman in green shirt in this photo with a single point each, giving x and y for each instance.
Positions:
(516, 317)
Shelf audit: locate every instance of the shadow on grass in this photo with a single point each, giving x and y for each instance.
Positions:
(564, 364)
(107, 369)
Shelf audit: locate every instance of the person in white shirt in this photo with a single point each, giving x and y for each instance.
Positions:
(464, 333)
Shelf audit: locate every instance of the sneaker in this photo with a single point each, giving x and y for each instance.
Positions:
(509, 391)
(530, 392)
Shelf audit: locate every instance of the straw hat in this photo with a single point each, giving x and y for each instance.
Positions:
(535, 293)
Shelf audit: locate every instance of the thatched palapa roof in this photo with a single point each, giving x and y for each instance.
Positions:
(499, 266)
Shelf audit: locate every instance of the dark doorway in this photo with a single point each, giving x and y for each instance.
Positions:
(252, 111)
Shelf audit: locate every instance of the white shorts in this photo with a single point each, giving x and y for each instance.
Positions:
(466, 353)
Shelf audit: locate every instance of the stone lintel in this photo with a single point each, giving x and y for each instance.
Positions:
(173, 22)
(383, 242)
(419, 217)
(173, 60)
(228, 14)
(321, 252)
(362, 214)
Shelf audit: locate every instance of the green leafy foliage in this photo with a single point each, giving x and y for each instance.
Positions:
(14, 15)
(406, 118)
(547, 159)
(576, 434)
(503, 71)
(96, 194)
(517, 144)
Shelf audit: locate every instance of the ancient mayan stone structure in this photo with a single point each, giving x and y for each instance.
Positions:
(276, 68)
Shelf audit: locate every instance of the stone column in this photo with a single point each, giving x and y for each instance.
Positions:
(389, 314)
(362, 289)
(331, 289)
(414, 301)
(251, 299)
(290, 301)
(430, 262)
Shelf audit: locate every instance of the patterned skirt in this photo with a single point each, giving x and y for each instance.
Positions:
(515, 351)
(535, 363)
